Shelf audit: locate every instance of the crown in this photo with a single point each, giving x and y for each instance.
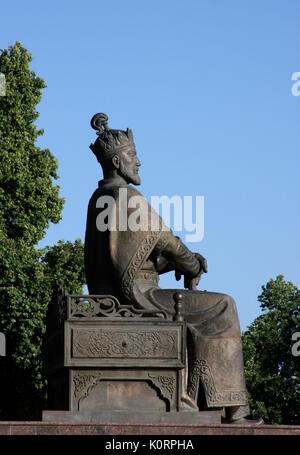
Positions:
(109, 142)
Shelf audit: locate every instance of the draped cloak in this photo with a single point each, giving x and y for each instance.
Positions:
(122, 262)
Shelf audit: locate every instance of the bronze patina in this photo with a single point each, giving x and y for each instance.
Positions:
(126, 264)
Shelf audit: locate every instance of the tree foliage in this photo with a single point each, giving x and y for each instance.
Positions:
(272, 371)
(29, 201)
(64, 263)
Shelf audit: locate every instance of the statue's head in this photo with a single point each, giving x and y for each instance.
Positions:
(115, 150)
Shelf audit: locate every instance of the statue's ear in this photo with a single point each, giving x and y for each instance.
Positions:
(116, 161)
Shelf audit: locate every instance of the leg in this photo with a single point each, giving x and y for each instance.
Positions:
(214, 345)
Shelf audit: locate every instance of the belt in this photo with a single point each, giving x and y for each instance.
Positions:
(147, 276)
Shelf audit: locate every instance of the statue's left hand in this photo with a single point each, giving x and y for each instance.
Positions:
(202, 262)
(192, 283)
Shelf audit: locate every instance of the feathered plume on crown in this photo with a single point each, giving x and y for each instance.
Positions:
(109, 142)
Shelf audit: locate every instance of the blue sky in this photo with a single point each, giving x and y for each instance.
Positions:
(205, 85)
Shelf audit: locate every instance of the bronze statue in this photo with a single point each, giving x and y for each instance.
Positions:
(127, 263)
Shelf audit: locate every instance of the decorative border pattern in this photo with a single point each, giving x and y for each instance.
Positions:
(137, 261)
(83, 383)
(111, 343)
(94, 306)
(166, 385)
(213, 397)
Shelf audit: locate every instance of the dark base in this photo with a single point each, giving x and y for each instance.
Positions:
(161, 429)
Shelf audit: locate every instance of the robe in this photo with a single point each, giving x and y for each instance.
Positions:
(124, 262)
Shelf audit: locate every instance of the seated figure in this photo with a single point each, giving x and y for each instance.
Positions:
(125, 262)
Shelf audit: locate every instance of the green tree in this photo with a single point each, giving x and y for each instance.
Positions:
(29, 201)
(64, 263)
(272, 371)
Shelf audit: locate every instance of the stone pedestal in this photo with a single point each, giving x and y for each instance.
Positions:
(105, 361)
(161, 429)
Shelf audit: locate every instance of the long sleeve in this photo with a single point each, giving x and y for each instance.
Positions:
(182, 259)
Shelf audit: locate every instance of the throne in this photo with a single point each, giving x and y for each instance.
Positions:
(105, 361)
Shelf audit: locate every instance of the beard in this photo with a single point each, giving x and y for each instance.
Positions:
(129, 174)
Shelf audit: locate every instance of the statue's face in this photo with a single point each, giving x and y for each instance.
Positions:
(129, 166)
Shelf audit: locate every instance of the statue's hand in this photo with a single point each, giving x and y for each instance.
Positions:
(202, 262)
(191, 283)
(177, 275)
